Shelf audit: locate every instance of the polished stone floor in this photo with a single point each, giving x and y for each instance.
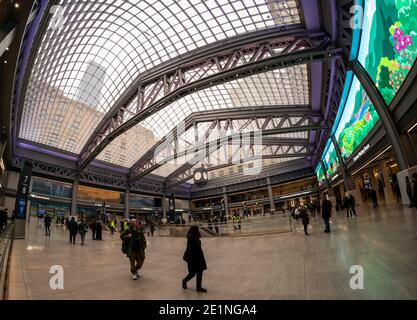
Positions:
(281, 266)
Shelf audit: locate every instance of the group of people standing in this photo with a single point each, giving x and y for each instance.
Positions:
(349, 203)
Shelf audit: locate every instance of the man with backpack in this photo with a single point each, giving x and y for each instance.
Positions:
(134, 244)
(82, 229)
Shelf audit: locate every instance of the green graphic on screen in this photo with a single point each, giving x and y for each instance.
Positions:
(330, 159)
(388, 44)
(359, 117)
(320, 175)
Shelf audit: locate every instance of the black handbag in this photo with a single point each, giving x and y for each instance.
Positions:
(186, 256)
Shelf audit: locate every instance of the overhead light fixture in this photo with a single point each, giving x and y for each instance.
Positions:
(5, 61)
(7, 49)
(412, 128)
(16, 5)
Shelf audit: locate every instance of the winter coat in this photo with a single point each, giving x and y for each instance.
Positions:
(47, 221)
(137, 235)
(194, 255)
(73, 226)
(326, 209)
(304, 217)
(82, 228)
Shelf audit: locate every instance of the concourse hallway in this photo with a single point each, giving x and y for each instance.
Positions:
(283, 266)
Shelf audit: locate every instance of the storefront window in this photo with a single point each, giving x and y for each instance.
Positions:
(141, 201)
(51, 188)
(99, 195)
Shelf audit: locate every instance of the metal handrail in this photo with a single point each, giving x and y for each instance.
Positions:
(260, 223)
(6, 241)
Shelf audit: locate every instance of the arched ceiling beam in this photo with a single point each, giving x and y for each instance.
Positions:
(280, 122)
(235, 59)
(284, 113)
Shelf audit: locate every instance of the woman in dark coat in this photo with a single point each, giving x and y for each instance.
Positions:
(194, 257)
(98, 230)
(305, 219)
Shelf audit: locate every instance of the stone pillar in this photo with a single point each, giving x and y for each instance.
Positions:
(225, 202)
(164, 206)
(74, 198)
(390, 197)
(358, 196)
(126, 204)
(29, 201)
(270, 195)
(401, 180)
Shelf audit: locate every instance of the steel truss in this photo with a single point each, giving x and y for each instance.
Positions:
(335, 90)
(267, 121)
(54, 171)
(230, 60)
(280, 151)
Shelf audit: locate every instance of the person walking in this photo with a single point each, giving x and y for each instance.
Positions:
(134, 245)
(326, 213)
(82, 229)
(194, 256)
(305, 219)
(374, 198)
(73, 229)
(112, 227)
(152, 228)
(348, 206)
(409, 191)
(352, 204)
(216, 224)
(47, 222)
(3, 221)
(122, 223)
(99, 229)
(414, 181)
(93, 225)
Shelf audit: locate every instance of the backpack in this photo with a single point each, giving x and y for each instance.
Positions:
(125, 244)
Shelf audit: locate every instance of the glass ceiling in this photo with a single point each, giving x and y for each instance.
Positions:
(102, 46)
(282, 87)
(82, 68)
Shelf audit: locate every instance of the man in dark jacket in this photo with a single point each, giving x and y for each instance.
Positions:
(47, 221)
(352, 204)
(73, 229)
(414, 180)
(326, 210)
(305, 219)
(194, 257)
(348, 206)
(136, 244)
(373, 196)
(99, 229)
(409, 190)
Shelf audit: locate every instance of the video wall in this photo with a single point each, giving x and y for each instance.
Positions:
(388, 43)
(358, 117)
(330, 159)
(320, 175)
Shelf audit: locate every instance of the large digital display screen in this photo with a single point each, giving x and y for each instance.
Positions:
(357, 117)
(330, 159)
(387, 44)
(320, 175)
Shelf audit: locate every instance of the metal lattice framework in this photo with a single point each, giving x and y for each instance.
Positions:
(284, 121)
(335, 90)
(158, 88)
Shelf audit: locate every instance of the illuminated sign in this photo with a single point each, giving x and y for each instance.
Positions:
(361, 153)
